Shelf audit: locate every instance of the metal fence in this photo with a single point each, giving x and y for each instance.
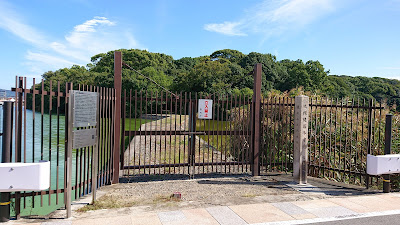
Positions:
(41, 134)
(277, 125)
(341, 134)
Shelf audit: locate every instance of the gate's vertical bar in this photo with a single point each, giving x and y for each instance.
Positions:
(180, 129)
(130, 129)
(170, 133)
(165, 137)
(144, 110)
(123, 115)
(241, 119)
(25, 94)
(95, 151)
(155, 136)
(134, 146)
(18, 149)
(213, 137)
(58, 140)
(268, 152)
(223, 147)
(33, 129)
(151, 128)
(184, 138)
(192, 129)
(335, 142)
(50, 109)
(175, 128)
(117, 115)
(256, 120)
(369, 137)
(249, 135)
(388, 149)
(362, 141)
(161, 120)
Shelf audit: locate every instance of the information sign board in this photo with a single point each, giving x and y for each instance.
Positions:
(84, 108)
(205, 109)
(84, 138)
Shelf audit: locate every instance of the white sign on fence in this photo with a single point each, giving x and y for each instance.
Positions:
(205, 109)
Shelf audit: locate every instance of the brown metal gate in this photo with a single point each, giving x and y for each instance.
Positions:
(162, 134)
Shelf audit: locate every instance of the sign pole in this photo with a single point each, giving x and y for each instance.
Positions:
(68, 190)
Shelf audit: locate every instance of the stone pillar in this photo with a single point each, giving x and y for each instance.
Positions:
(300, 154)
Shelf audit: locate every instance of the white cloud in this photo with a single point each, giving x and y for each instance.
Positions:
(92, 37)
(13, 23)
(227, 28)
(275, 17)
(48, 59)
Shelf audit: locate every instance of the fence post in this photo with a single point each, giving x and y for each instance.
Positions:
(117, 118)
(388, 148)
(300, 154)
(256, 120)
(6, 156)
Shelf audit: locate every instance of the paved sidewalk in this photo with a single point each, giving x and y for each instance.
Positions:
(297, 212)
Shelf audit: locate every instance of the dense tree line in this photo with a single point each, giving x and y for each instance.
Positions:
(224, 72)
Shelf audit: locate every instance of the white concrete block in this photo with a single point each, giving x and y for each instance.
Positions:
(383, 164)
(24, 176)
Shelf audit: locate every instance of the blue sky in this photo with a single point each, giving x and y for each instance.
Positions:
(352, 37)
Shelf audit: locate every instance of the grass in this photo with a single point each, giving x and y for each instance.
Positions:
(249, 195)
(134, 123)
(107, 202)
(113, 202)
(214, 125)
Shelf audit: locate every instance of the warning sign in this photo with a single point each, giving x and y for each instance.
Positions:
(205, 109)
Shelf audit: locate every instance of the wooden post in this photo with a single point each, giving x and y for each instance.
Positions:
(256, 120)
(117, 118)
(300, 154)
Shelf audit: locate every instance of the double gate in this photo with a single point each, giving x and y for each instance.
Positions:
(162, 134)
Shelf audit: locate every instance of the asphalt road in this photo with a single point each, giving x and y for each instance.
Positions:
(375, 220)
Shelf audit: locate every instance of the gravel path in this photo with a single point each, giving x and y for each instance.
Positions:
(200, 192)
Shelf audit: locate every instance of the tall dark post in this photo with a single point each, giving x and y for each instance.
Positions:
(117, 118)
(6, 157)
(256, 119)
(388, 148)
